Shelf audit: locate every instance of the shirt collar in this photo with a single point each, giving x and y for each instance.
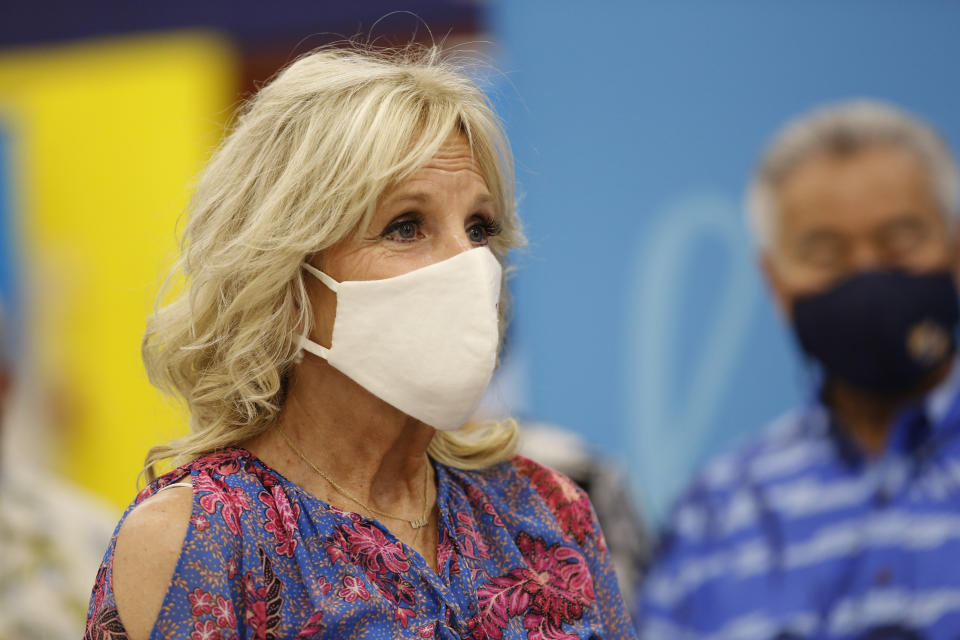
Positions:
(906, 432)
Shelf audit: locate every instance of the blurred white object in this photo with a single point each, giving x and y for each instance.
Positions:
(52, 539)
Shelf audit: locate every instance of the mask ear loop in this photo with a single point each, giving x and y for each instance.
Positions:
(321, 276)
(304, 342)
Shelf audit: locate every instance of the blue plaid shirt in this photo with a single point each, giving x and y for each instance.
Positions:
(802, 536)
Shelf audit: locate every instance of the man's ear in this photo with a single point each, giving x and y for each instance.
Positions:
(772, 276)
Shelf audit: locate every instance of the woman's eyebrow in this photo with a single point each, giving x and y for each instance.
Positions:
(415, 197)
(423, 198)
(484, 198)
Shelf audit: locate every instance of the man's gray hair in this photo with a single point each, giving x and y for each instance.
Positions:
(839, 129)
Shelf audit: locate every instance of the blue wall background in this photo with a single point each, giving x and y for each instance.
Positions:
(641, 320)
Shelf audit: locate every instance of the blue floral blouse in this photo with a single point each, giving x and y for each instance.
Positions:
(519, 555)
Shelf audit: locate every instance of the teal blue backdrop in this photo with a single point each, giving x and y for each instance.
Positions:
(641, 319)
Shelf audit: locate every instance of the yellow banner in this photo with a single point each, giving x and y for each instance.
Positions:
(108, 137)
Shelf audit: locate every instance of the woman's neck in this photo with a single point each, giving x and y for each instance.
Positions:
(371, 449)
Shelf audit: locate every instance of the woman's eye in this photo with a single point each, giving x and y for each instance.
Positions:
(481, 231)
(402, 231)
(477, 234)
(406, 230)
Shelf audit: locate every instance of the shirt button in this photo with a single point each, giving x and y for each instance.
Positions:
(883, 577)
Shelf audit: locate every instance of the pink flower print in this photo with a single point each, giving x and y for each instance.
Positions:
(538, 628)
(312, 627)
(205, 631)
(477, 632)
(201, 602)
(352, 589)
(177, 475)
(335, 547)
(223, 612)
(200, 522)
(99, 587)
(405, 591)
(336, 553)
(426, 631)
(444, 549)
(267, 479)
(500, 600)
(281, 519)
(323, 585)
(567, 501)
(479, 499)
(561, 587)
(256, 618)
(403, 615)
(471, 542)
(488, 508)
(225, 462)
(103, 623)
(145, 493)
(394, 588)
(368, 543)
(354, 517)
(233, 500)
(232, 568)
(262, 602)
(554, 588)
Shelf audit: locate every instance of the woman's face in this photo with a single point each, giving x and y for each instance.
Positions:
(441, 210)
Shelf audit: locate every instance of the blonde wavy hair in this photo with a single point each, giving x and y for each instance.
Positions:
(303, 167)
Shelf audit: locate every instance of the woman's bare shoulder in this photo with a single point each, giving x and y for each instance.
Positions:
(147, 549)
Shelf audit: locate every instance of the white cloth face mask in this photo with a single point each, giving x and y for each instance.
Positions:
(425, 341)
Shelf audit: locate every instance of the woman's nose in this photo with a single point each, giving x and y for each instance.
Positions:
(454, 243)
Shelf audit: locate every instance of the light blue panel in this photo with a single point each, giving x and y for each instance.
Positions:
(640, 316)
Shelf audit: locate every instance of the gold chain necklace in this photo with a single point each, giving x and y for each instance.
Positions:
(416, 524)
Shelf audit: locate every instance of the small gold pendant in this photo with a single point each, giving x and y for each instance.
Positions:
(418, 523)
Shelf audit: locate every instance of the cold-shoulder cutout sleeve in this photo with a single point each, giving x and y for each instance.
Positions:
(168, 572)
(148, 545)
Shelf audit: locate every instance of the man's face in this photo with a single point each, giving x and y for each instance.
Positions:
(840, 215)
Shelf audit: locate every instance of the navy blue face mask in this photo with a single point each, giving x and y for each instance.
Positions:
(880, 331)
